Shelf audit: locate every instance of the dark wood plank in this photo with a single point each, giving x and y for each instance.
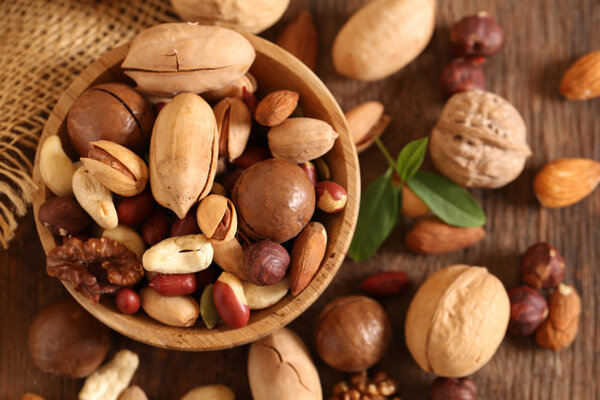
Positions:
(543, 37)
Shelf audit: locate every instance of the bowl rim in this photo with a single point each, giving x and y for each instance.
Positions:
(178, 338)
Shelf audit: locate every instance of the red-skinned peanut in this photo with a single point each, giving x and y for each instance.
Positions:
(134, 210)
(311, 171)
(174, 284)
(156, 228)
(230, 301)
(208, 275)
(251, 156)
(187, 225)
(128, 301)
(331, 197)
(385, 283)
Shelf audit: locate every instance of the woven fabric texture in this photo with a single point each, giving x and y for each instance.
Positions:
(43, 46)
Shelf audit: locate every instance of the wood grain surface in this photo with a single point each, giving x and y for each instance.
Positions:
(542, 38)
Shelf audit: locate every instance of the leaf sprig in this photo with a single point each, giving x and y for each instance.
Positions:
(381, 201)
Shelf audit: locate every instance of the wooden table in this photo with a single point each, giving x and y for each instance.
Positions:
(542, 38)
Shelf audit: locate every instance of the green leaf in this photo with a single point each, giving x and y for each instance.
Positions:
(410, 158)
(449, 201)
(378, 214)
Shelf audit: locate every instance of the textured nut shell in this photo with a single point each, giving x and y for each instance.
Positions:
(299, 140)
(210, 212)
(127, 237)
(242, 15)
(480, 140)
(382, 37)
(306, 256)
(280, 368)
(95, 199)
(183, 153)
(582, 79)
(113, 179)
(111, 378)
(133, 393)
(179, 255)
(170, 310)
(259, 297)
(456, 320)
(56, 167)
(233, 123)
(180, 57)
(566, 181)
(559, 330)
(233, 89)
(229, 255)
(210, 392)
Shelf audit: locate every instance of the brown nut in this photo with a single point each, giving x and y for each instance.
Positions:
(559, 330)
(265, 263)
(116, 167)
(63, 216)
(276, 107)
(301, 139)
(187, 225)
(156, 228)
(430, 235)
(64, 339)
(274, 200)
(476, 35)
(31, 396)
(234, 123)
(528, 309)
(134, 210)
(460, 75)
(352, 333)
(453, 389)
(542, 266)
(307, 253)
(301, 39)
(412, 205)
(366, 122)
(581, 82)
(331, 197)
(385, 284)
(217, 217)
(251, 156)
(111, 111)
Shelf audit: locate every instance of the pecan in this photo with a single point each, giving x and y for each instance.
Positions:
(94, 266)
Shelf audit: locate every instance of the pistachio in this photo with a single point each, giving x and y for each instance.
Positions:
(116, 167)
(229, 255)
(217, 218)
(56, 167)
(95, 199)
(179, 255)
(233, 89)
(234, 123)
(171, 58)
(366, 123)
(301, 139)
(183, 153)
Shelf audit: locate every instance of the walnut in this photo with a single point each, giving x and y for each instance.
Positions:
(94, 266)
(480, 140)
(361, 387)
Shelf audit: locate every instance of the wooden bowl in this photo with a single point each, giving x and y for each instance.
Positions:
(274, 69)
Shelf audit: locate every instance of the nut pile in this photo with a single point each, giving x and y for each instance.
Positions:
(184, 208)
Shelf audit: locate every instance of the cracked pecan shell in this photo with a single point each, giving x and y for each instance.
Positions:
(95, 266)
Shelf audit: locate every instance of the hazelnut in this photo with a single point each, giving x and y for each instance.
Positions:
(461, 75)
(542, 266)
(476, 35)
(111, 111)
(528, 309)
(453, 389)
(265, 263)
(352, 333)
(274, 200)
(331, 197)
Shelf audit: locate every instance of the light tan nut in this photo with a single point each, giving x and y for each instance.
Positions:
(167, 59)
(366, 123)
(560, 328)
(133, 393)
(259, 297)
(95, 199)
(128, 237)
(183, 153)
(300, 37)
(430, 235)
(116, 167)
(210, 392)
(307, 253)
(217, 217)
(179, 255)
(31, 396)
(182, 311)
(299, 140)
(229, 255)
(280, 368)
(276, 107)
(111, 378)
(233, 89)
(56, 167)
(234, 123)
(582, 79)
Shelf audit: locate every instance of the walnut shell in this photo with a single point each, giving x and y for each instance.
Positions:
(480, 140)
(457, 320)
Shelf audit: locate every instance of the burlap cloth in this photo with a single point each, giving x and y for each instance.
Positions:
(43, 46)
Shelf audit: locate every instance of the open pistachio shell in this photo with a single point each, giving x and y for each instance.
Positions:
(217, 218)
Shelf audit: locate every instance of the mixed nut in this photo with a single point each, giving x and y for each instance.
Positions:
(215, 195)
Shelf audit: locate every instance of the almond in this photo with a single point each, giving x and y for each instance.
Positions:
(300, 38)
(566, 181)
(559, 330)
(412, 205)
(582, 79)
(366, 123)
(276, 107)
(307, 253)
(430, 235)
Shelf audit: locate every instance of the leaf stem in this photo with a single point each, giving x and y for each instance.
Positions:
(386, 154)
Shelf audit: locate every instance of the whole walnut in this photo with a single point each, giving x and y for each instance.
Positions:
(274, 199)
(111, 111)
(480, 140)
